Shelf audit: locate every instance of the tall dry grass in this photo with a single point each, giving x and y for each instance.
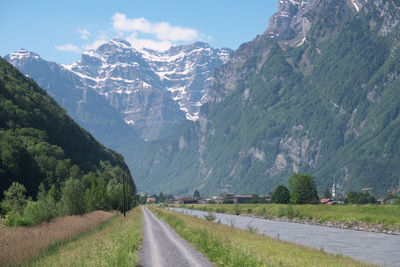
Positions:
(21, 243)
(118, 243)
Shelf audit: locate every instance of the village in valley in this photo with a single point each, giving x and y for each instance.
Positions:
(330, 197)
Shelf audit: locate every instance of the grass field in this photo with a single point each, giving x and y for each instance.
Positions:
(228, 246)
(116, 244)
(388, 215)
(18, 244)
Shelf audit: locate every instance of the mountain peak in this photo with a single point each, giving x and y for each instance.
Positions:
(22, 54)
(289, 20)
(120, 42)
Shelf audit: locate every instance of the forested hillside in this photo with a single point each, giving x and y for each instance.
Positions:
(318, 92)
(41, 144)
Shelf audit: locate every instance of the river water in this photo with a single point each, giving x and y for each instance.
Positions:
(369, 247)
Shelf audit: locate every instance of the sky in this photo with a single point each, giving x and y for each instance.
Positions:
(60, 31)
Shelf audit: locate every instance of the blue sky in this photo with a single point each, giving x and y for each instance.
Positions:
(60, 30)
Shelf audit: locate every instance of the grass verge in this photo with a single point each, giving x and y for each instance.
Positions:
(117, 243)
(228, 246)
(388, 215)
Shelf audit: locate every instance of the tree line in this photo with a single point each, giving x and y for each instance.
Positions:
(77, 195)
(302, 190)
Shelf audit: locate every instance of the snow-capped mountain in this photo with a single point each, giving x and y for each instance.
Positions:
(91, 110)
(152, 91)
(186, 71)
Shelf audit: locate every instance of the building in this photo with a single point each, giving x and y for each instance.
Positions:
(327, 201)
(188, 200)
(239, 198)
(151, 200)
(334, 190)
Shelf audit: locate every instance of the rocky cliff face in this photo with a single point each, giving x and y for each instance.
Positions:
(153, 92)
(317, 93)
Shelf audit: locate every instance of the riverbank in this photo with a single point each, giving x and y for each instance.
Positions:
(370, 218)
(375, 248)
(354, 225)
(225, 245)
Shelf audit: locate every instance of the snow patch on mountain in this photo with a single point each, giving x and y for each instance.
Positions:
(21, 54)
(184, 72)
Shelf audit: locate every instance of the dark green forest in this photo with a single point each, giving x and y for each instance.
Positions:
(41, 148)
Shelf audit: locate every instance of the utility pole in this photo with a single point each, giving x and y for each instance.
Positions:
(123, 195)
(129, 198)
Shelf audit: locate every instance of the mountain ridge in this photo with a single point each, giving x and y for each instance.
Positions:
(40, 143)
(153, 91)
(324, 104)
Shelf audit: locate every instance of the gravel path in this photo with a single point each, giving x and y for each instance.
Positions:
(163, 247)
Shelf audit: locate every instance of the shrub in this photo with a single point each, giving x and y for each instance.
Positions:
(210, 217)
(236, 209)
(280, 195)
(261, 212)
(15, 219)
(220, 210)
(33, 211)
(73, 200)
(14, 198)
(227, 201)
(281, 211)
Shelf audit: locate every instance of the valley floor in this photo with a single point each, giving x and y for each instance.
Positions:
(229, 246)
(365, 246)
(370, 218)
(151, 236)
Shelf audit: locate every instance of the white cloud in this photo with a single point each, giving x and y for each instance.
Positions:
(68, 48)
(162, 30)
(95, 44)
(148, 43)
(84, 33)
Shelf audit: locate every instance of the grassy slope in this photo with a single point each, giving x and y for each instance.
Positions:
(117, 244)
(227, 246)
(386, 214)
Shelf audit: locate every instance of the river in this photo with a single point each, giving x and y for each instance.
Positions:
(369, 247)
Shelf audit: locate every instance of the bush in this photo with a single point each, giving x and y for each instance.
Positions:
(33, 211)
(287, 211)
(15, 219)
(72, 198)
(236, 209)
(42, 210)
(227, 201)
(281, 211)
(14, 198)
(359, 198)
(210, 217)
(280, 195)
(261, 212)
(220, 210)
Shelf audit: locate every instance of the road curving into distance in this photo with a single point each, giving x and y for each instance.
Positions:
(162, 246)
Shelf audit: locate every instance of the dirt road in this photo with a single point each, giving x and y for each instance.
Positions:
(163, 247)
